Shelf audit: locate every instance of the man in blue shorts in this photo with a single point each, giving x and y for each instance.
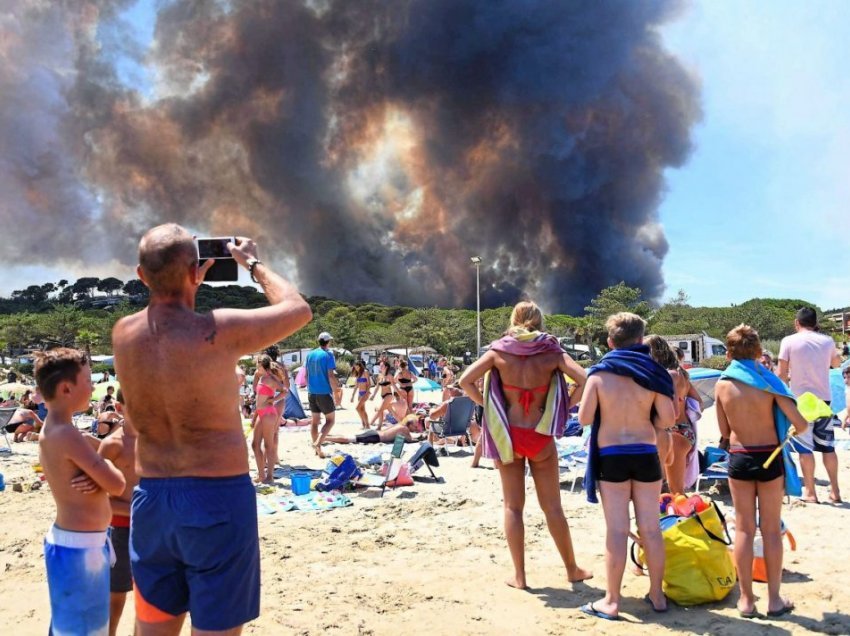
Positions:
(322, 386)
(193, 533)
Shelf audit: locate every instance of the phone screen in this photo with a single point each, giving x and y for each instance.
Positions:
(214, 247)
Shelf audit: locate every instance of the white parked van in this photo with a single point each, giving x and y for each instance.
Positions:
(697, 347)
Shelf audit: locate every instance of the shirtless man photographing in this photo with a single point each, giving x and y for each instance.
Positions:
(193, 542)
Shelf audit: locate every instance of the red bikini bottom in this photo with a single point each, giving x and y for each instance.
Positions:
(527, 442)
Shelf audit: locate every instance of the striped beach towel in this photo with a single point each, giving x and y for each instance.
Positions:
(495, 425)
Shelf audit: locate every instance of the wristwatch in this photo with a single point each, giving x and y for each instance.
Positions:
(251, 263)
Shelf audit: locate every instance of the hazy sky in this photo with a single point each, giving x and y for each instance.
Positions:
(761, 207)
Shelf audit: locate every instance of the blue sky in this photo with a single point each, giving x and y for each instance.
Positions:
(761, 207)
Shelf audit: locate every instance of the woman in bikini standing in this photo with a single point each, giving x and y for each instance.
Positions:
(267, 418)
(385, 383)
(682, 437)
(535, 363)
(362, 384)
(405, 379)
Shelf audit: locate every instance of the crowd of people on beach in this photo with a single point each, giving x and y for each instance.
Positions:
(168, 487)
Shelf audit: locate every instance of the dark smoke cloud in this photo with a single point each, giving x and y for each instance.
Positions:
(374, 145)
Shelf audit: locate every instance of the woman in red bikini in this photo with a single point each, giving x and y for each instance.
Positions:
(269, 386)
(524, 366)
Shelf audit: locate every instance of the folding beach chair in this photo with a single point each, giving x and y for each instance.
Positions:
(374, 480)
(717, 466)
(425, 455)
(6, 414)
(456, 422)
(395, 463)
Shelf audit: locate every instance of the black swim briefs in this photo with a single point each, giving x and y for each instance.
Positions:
(748, 466)
(368, 437)
(643, 467)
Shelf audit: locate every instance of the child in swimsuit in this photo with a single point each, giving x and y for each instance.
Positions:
(745, 415)
(76, 549)
(629, 417)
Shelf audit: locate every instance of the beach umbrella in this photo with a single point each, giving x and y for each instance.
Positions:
(424, 384)
(100, 389)
(15, 387)
(703, 380)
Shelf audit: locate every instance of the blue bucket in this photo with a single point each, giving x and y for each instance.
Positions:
(300, 483)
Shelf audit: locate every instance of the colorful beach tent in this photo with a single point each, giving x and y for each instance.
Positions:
(292, 408)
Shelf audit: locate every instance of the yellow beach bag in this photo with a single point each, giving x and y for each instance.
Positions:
(697, 567)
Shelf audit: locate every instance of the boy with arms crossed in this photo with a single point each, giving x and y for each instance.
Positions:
(76, 548)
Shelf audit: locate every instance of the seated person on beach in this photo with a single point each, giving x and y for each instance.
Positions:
(108, 399)
(438, 413)
(106, 422)
(398, 408)
(627, 417)
(23, 422)
(746, 415)
(76, 548)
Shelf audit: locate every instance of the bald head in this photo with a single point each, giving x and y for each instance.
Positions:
(166, 255)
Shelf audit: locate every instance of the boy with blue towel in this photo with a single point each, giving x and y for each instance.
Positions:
(758, 414)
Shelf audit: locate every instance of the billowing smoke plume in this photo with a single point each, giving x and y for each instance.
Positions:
(371, 147)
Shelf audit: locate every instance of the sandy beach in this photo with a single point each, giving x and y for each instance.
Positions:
(432, 558)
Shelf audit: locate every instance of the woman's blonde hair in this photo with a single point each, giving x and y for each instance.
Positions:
(526, 315)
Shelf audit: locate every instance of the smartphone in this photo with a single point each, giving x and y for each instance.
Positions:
(225, 267)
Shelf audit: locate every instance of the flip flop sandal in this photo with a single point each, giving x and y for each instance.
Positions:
(781, 612)
(588, 609)
(652, 605)
(749, 615)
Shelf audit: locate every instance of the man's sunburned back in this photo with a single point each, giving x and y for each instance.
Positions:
(526, 372)
(181, 393)
(749, 413)
(625, 410)
(76, 511)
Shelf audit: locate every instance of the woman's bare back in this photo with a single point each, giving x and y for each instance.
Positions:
(526, 372)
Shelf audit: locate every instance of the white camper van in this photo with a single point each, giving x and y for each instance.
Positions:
(697, 347)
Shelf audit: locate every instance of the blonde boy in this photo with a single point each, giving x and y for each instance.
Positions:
(76, 548)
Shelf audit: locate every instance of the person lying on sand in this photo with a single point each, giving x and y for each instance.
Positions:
(384, 436)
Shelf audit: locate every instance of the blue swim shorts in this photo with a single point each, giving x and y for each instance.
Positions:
(194, 548)
(78, 580)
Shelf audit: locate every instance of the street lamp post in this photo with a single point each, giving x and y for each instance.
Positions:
(476, 260)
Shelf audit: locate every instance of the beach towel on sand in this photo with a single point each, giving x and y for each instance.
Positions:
(314, 502)
(754, 374)
(495, 426)
(633, 362)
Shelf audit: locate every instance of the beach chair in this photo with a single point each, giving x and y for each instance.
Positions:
(6, 414)
(425, 455)
(374, 480)
(717, 466)
(395, 463)
(456, 422)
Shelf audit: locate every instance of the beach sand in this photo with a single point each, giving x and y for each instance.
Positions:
(432, 558)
